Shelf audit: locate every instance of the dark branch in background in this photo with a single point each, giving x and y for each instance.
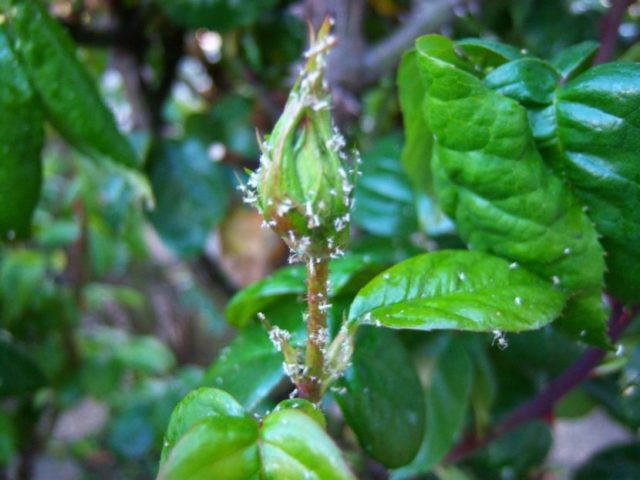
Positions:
(609, 30)
(103, 38)
(356, 65)
(128, 36)
(426, 16)
(543, 403)
(216, 275)
(173, 49)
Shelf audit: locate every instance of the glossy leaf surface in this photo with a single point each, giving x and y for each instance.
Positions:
(383, 401)
(346, 275)
(529, 81)
(457, 289)
(598, 143)
(491, 179)
(196, 406)
(216, 439)
(216, 447)
(294, 446)
(67, 91)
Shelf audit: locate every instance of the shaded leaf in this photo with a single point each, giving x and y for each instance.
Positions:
(249, 367)
(346, 275)
(191, 191)
(229, 122)
(416, 152)
(21, 139)
(619, 462)
(447, 398)
(457, 289)
(519, 452)
(19, 373)
(384, 197)
(219, 15)
(383, 402)
(575, 59)
(487, 54)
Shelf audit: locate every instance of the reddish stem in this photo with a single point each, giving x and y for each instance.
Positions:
(317, 300)
(609, 31)
(542, 404)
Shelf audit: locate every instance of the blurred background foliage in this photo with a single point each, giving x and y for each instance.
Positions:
(113, 309)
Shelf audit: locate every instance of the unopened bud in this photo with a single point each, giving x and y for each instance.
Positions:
(304, 185)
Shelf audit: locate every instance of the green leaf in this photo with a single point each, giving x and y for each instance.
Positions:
(21, 138)
(384, 197)
(249, 367)
(457, 289)
(23, 283)
(67, 91)
(146, 354)
(346, 275)
(221, 15)
(219, 441)
(598, 148)
(527, 80)
(492, 180)
(487, 54)
(447, 399)
(229, 122)
(520, 452)
(293, 445)
(575, 59)
(285, 282)
(383, 401)
(191, 191)
(8, 439)
(416, 152)
(548, 27)
(216, 447)
(619, 462)
(484, 390)
(312, 410)
(196, 406)
(19, 373)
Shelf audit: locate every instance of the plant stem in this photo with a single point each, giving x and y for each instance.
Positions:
(317, 301)
(609, 31)
(544, 402)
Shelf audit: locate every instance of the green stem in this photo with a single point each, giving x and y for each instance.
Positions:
(317, 301)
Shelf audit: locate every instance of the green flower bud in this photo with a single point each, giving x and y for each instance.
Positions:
(304, 184)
